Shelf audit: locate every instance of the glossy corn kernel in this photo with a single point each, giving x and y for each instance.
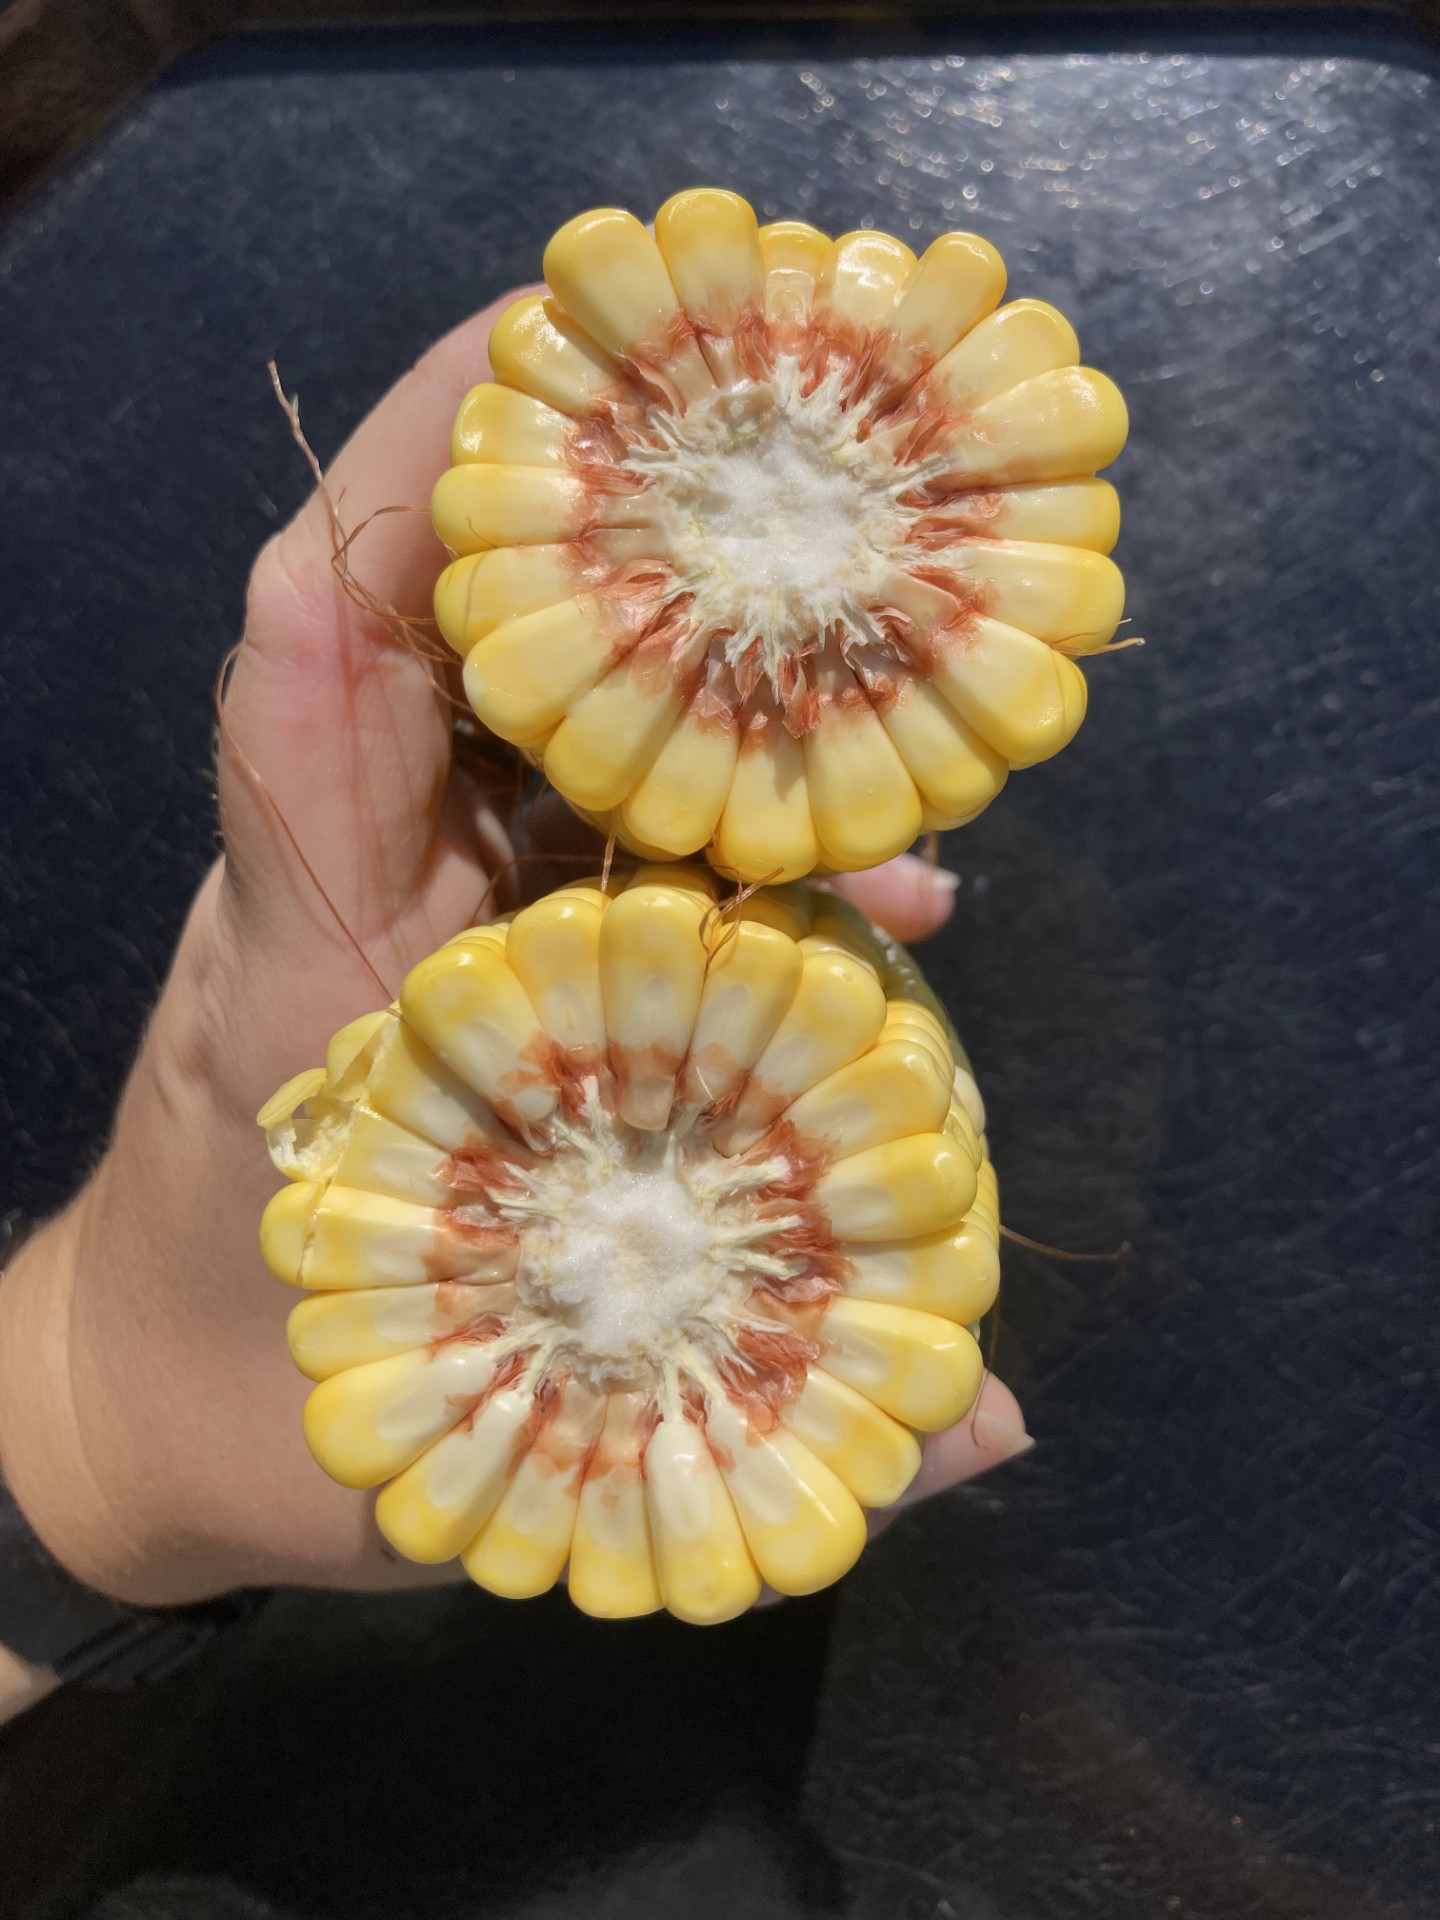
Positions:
(639, 1240)
(775, 547)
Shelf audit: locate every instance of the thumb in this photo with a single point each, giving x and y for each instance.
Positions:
(991, 1433)
(334, 758)
(907, 896)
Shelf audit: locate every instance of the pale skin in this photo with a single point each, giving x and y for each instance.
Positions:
(149, 1411)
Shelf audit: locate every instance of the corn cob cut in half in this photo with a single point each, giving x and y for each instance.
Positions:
(776, 546)
(641, 1237)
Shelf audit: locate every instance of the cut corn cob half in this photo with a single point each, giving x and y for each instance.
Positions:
(776, 547)
(640, 1237)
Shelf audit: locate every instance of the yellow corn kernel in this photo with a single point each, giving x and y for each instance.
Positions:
(794, 256)
(370, 1422)
(389, 1159)
(914, 1185)
(751, 975)
(467, 1005)
(305, 1126)
(351, 1044)
(704, 1565)
(437, 1506)
(711, 248)
(924, 1370)
(766, 831)
(959, 279)
(863, 276)
(888, 1092)
(677, 804)
(509, 429)
(788, 909)
(482, 591)
(837, 1012)
(1022, 340)
(837, 927)
(1067, 513)
(536, 348)
(522, 1548)
(399, 1077)
(874, 1456)
(987, 1198)
(916, 1036)
(611, 735)
(1024, 699)
(1056, 593)
(955, 1272)
(959, 1128)
(333, 1332)
(1056, 426)
(612, 1563)
(285, 1226)
(955, 772)
(475, 507)
(803, 1526)
(652, 971)
(696, 883)
(862, 799)
(364, 1237)
(915, 1016)
(553, 949)
(609, 273)
(523, 676)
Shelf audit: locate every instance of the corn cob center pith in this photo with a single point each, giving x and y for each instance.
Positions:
(781, 526)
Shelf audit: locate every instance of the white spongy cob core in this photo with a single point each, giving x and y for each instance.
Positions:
(779, 522)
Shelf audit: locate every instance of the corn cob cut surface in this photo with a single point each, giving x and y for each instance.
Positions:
(640, 1237)
(776, 547)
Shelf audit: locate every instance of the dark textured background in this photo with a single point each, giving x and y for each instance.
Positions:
(1182, 1659)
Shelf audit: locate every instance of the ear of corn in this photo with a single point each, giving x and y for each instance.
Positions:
(641, 1236)
(775, 547)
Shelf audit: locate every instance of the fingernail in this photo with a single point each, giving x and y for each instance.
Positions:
(943, 879)
(1003, 1438)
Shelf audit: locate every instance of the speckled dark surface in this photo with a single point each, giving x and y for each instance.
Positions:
(1182, 1659)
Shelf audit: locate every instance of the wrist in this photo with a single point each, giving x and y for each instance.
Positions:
(68, 1602)
(150, 1420)
(41, 1450)
(99, 1385)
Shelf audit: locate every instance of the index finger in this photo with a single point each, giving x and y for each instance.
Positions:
(393, 460)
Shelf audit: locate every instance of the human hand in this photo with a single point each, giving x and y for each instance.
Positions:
(149, 1412)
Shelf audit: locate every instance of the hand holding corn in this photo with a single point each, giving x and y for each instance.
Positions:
(645, 1226)
(150, 1416)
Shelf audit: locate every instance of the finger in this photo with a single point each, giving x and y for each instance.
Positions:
(990, 1434)
(388, 468)
(335, 752)
(907, 896)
